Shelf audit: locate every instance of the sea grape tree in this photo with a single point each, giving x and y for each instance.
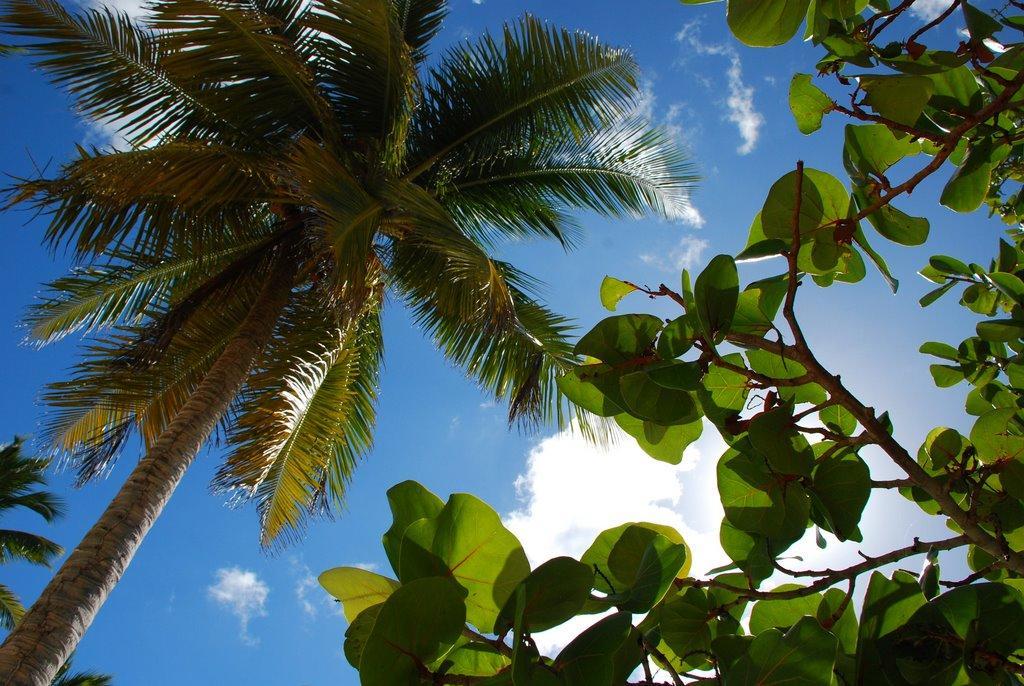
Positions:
(464, 602)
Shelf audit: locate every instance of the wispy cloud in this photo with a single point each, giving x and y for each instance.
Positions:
(686, 254)
(926, 10)
(740, 108)
(243, 594)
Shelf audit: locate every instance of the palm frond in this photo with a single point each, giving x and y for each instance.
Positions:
(307, 420)
(511, 345)
(150, 198)
(21, 545)
(113, 68)
(538, 81)
(366, 68)
(19, 475)
(238, 51)
(420, 21)
(627, 170)
(83, 679)
(91, 415)
(11, 609)
(122, 292)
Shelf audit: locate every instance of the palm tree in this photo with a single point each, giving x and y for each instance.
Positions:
(65, 677)
(292, 166)
(19, 476)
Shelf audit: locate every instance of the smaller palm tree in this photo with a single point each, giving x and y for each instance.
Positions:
(65, 677)
(19, 478)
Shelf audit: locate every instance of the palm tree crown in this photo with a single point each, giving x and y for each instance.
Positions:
(321, 134)
(19, 478)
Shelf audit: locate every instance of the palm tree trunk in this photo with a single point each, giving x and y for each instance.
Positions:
(53, 626)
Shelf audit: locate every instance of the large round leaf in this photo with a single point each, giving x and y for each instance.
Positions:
(409, 501)
(620, 338)
(823, 199)
(764, 23)
(804, 655)
(715, 294)
(416, 625)
(842, 486)
(663, 443)
(554, 593)
(357, 589)
(996, 435)
(481, 554)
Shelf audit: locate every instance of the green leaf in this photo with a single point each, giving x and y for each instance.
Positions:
(764, 23)
(888, 604)
(664, 443)
(680, 376)
(715, 294)
(585, 394)
(782, 614)
(808, 103)
(653, 402)
(838, 419)
(823, 200)
(1005, 330)
(613, 290)
(899, 98)
(688, 623)
(787, 451)
(946, 376)
(409, 501)
(987, 616)
(478, 551)
(996, 436)
(358, 632)
(473, 659)
(629, 557)
(555, 593)
(842, 485)
(357, 589)
(649, 561)
(873, 149)
(677, 338)
(941, 350)
(416, 625)
(980, 25)
(967, 188)
(589, 658)
(949, 265)
(751, 496)
(777, 367)
(933, 295)
(894, 224)
(620, 338)
(805, 655)
(726, 390)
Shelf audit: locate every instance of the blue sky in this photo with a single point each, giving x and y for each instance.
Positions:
(201, 603)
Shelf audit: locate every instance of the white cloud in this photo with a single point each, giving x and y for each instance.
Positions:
(740, 107)
(243, 594)
(572, 490)
(926, 10)
(687, 254)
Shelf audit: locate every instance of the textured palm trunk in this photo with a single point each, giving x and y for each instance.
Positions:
(53, 626)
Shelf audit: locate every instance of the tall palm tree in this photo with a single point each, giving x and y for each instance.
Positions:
(292, 166)
(19, 477)
(65, 677)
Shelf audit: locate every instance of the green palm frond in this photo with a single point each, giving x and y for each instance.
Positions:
(308, 419)
(11, 609)
(113, 68)
(123, 293)
(420, 21)
(151, 198)
(83, 679)
(90, 416)
(538, 81)
(626, 170)
(367, 70)
(65, 677)
(19, 475)
(235, 49)
(21, 545)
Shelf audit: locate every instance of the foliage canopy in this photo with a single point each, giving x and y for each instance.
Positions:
(736, 358)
